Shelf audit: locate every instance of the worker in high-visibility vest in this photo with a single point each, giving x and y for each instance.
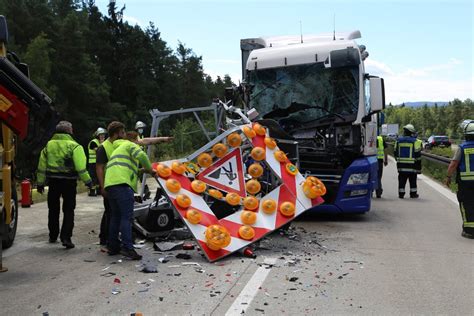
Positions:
(99, 137)
(120, 184)
(60, 163)
(115, 130)
(382, 161)
(407, 152)
(140, 129)
(463, 165)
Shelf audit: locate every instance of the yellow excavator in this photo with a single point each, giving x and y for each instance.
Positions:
(27, 116)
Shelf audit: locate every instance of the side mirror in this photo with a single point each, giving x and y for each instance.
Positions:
(377, 94)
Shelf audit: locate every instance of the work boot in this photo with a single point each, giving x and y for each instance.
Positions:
(52, 240)
(467, 235)
(92, 192)
(112, 252)
(67, 243)
(414, 195)
(401, 196)
(130, 253)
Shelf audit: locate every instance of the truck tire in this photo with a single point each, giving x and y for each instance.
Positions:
(9, 231)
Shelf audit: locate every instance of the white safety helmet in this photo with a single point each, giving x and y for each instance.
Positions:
(410, 128)
(100, 131)
(140, 124)
(467, 127)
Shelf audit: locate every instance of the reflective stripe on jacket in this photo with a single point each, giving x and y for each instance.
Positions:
(466, 165)
(380, 149)
(62, 158)
(122, 167)
(407, 152)
(92, 152)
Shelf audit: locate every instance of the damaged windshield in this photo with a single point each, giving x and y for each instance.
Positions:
(304, 92)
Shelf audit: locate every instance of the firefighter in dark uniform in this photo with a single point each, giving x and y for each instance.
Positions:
(382, 161)
(407, 152)
(60, 163)
(463, 165)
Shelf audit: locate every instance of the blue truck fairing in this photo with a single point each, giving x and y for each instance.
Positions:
(353, 198)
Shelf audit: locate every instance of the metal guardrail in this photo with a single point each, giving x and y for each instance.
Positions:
(436, 158)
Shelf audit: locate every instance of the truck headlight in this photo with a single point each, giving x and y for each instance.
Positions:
(358, 178)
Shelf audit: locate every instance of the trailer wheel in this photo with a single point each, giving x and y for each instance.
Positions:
(9, 231)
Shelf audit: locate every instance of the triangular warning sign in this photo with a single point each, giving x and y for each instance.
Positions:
(226, 174)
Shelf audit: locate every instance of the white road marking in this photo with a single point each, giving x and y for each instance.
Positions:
(242, 302)
(438, 187)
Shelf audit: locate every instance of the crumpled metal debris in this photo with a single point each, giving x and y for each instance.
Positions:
(167, 245)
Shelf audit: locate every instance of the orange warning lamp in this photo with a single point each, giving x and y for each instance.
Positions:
(280, 156)
(163, 170)
(183, 200)
(246, 232)
(270, 142)
(177, 167)
(259, 129)
(204, 160)
(234, 140)
(193, 216)
(249, 132)
(253, 186)
(219, 150)
(173, 185)
(255, 170)
(248, 217)
(313, 187)
(251, 203)
(287, 209)
(232, 198)
(258, 153)
(198, 186)
(217, 237)
(269, 206)
(215, 194)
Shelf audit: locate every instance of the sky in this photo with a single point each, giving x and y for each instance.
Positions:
(422, 48)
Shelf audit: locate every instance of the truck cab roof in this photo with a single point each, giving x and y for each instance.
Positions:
(283, 51)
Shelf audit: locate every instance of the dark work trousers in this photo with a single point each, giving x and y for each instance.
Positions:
(379, 191)
(121, 199)
(402, 181)
(466, 205)
(93, 174)
(105, 223)
(65, 188)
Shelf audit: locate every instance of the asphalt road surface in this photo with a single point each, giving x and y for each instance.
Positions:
(403, 257)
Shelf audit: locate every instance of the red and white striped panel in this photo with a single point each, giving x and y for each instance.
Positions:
(289, 191)
(294, 182)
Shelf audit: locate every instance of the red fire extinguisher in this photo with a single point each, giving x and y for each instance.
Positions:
(26, 193)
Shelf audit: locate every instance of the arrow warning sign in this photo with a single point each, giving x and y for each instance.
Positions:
(226, 174)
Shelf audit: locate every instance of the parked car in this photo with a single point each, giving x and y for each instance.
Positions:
(438, 141)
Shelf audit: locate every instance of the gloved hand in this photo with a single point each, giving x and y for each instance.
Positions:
(40, 189)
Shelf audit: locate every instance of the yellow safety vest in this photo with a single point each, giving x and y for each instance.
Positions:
(62, 158)
(380, 149)
(122, 167)
(92, 152)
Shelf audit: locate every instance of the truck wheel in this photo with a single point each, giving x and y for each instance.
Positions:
(9, 231)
